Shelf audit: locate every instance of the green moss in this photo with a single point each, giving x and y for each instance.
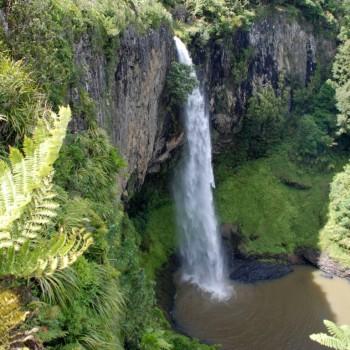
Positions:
(278, 204)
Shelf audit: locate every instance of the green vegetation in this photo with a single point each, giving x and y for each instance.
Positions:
(280, 205)
(180, 83)
(275, 185)
(338, 339)
(335, 236)
(29, 245)
(263, 124)
(341, 75)
(20, 101)
(57, 26)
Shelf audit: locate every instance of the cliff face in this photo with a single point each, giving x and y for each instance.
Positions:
(127, 84)
(128, 95)
(275, 49)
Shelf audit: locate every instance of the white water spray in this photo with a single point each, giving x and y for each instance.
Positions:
(201, 250)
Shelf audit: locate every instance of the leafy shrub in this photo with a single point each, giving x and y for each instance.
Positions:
(180, 83)
(240, 65)
(263, 124)
(311, 141)
(51, 58)
(155, 340)
(314, 123)
(56, 26)
(336, 233)
(20, 101)
(159, 339)
(341, 81)
(88, 162)
(153, 14)
(343, 105)
(88, 317)
(137, 287)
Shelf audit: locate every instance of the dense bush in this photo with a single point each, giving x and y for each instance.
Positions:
(336, 234)
(311, 141)
(20, 100)
(180, 83)
(263, 124)
(88, 162)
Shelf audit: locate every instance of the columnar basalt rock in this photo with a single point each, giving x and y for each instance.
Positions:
(128, 96)
(277, 48)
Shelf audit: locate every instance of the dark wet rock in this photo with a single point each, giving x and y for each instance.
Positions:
(250, 271)
(325, 263)
(165, 286)
(295, 184)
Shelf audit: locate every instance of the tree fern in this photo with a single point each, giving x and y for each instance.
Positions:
(30, 246)
(339, 338)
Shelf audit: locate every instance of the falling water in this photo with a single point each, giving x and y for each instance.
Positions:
(202, 255)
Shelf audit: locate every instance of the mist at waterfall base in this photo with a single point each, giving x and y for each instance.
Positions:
(200, 244)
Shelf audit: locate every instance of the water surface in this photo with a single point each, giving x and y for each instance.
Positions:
(273, 315)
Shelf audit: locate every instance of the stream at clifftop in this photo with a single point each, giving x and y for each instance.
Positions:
(268, 315)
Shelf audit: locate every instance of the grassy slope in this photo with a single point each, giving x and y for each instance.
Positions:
(160, 233)
(275, 218)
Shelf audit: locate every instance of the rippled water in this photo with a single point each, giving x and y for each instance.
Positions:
(273, 315)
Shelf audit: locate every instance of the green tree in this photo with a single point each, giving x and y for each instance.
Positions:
(263, 124)
(180, 83)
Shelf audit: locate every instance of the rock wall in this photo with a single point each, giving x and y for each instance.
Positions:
(277, 47)
(129, 99)
(127, 84)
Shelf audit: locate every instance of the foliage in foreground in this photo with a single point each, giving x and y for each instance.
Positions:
(11, 316)
(338, 337)
(335, 236)
(30, 246)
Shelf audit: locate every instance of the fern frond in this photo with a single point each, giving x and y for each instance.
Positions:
(339, 338)
(329, 341)
(45, 257)
(334, 330)
(24, 173)
(40, 213)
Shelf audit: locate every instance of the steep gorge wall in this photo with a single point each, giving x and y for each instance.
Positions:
(128, 86)
(129, 96)
(277, 48)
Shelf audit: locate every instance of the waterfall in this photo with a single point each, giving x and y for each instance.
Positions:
(200, 244)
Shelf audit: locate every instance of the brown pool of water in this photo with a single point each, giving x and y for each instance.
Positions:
(270, 315)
